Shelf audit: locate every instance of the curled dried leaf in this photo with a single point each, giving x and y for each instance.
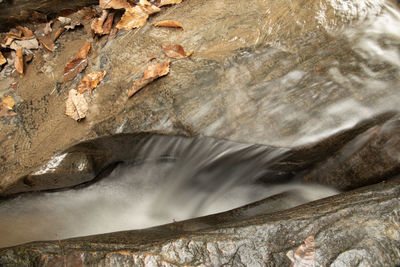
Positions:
(169, 2)
(115, 4)
(84, 51)
(26, 44)
(5, 112)
(90, 81)
(76, 106)
(26, 33)
(174, 51)
(78, 64)
(47, 42)
(8, 101)
(97, 23)
(304, 256)
(6, 105)
(3, 60)
(132, 18)
(103, 24)
(19, 61)
(169, 24)
(58, 34)
(74, 67)
(150, 74)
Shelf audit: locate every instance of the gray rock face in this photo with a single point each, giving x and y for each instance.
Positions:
(317, 81)
(346, 234)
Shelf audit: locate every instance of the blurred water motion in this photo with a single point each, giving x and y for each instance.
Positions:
(151, 192)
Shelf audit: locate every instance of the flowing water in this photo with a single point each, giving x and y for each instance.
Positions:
(157, 190)
(210, 176)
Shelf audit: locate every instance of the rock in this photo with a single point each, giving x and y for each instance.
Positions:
(257, 241)
(15, 12)
(260, 82)
(365, 160)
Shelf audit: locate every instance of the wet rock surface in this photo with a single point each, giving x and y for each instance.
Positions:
(301, 83)
(306, 79)
(346, 234)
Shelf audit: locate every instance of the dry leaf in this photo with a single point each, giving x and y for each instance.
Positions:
(91, 80)
(5, 112)
(115, 4)
(103, 24)
(132, 18)
(76, 106)
(26, 33)
(304, 256)
(47, 29)
(169, 2)
(174, 51)
(169, 24)
(150, 74)
(47, 42)
(58, 34)
(8, 101)
(97, 23)
(19, 61)
(74, 67)
(108, 23)
(3, 60)
(78, 64)
(6, 106)
(26, 44)
(135, 17)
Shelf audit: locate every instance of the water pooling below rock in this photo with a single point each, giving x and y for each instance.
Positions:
(209, 176)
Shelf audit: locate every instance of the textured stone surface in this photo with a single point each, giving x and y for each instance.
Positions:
(346, 234)
(305, 83)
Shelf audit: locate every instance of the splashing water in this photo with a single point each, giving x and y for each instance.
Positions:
(209, 177)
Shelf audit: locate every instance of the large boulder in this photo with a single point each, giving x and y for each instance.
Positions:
(306, 78)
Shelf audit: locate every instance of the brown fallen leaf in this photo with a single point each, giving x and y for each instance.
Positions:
(169, 2)
(132, 18)
(103, 24)
(115, 4)
(26, 33)
(173, 51)
(74, 67)
(83, 52)
(78, 64)
(6, 106)
(58, 34)
(90, 81)
(76, 106)
(5, 112)
(169, 24)
(47, 42)
(28, 44)
(19, 61)
(47, 28)
(304, 256)
(9, 101)
(135, 17)
(150, 74)
(3, 60)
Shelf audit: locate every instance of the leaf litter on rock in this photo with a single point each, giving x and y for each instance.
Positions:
(76, 106)
(3, 60)
(6, 107)
(169, 2)
(169, 24)
(19, 61)
(78, 64)
(175, 51)
(304, 256)
(90, 81)
(150, 74)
